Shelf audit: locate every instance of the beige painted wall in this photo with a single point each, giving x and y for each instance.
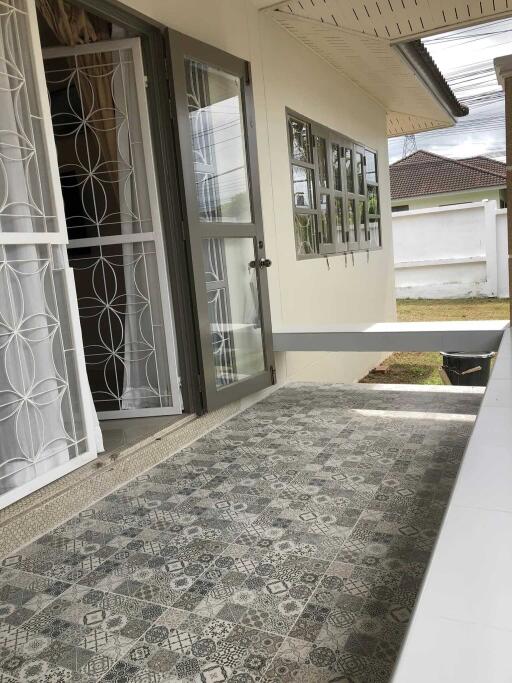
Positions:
(447, 199)
(287, 74)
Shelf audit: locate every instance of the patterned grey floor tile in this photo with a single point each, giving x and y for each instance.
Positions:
(157, 569)
(263, 590)
(23, 594)
(288, 544)
(74, 549)
(186, 647)
(77, 636)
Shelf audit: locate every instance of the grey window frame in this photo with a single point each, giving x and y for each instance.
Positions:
(318, 131)
(307, 165)
(375, 184)
(362, 241)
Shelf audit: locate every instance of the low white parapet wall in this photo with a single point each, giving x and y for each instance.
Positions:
(451, 251)
(461, 630)
(471, 336)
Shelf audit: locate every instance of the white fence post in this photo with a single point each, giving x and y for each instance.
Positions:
(502, 249)
(490, 209)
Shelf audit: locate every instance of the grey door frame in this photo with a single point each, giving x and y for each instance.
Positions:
(168, 170)
(180, 48)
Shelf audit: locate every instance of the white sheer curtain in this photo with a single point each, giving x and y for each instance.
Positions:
(39, 427)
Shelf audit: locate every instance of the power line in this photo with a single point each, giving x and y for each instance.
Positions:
(475, 85)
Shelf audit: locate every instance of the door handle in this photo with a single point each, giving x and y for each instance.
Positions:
(263, 263)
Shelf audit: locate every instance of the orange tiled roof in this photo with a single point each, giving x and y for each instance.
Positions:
(423, 173)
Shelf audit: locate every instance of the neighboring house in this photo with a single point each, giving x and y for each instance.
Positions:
(423, 180)
(449, 226)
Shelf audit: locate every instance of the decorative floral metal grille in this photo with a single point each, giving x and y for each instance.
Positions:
(102, 159)
(38, 408)
(42, 425)
(26, 197)
(219, 311)
(124, 367)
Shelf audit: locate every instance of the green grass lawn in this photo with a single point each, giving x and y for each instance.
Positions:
(423, 368)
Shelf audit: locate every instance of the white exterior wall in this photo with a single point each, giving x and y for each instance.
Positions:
(451, 252)
(287, 74)
(448, 199)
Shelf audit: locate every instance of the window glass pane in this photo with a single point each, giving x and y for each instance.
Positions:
(371, 167)
(373, 200)
(362, 220)
(359, 171)
(323, 177)
(374, 225)
(350, 170)
(352, 235)
(218, 144)
(300, 140)
(325, 222)
(305, 234)
(303, 187)
(336, 166)
(233, 309)
(339, 218)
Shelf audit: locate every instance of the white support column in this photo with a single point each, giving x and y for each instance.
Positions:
(491, 252)
(503, 67)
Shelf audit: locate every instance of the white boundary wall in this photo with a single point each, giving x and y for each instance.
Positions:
(451, 251)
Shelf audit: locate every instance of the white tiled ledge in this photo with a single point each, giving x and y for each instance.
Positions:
(474, 336)
(461, 631)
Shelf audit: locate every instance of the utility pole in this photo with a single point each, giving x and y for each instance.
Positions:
(410, 146)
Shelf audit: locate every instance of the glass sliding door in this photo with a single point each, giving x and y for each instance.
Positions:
(214, 106)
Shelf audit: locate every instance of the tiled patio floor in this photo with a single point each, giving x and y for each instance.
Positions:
(287, 544)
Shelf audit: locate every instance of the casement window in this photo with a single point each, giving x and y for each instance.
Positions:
(335, 188)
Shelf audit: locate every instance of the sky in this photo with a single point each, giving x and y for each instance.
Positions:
(465, 58)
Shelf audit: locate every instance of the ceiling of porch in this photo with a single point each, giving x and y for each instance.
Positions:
(357, 38)
(395, 19)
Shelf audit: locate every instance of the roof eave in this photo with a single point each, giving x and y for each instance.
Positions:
(419, 59)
